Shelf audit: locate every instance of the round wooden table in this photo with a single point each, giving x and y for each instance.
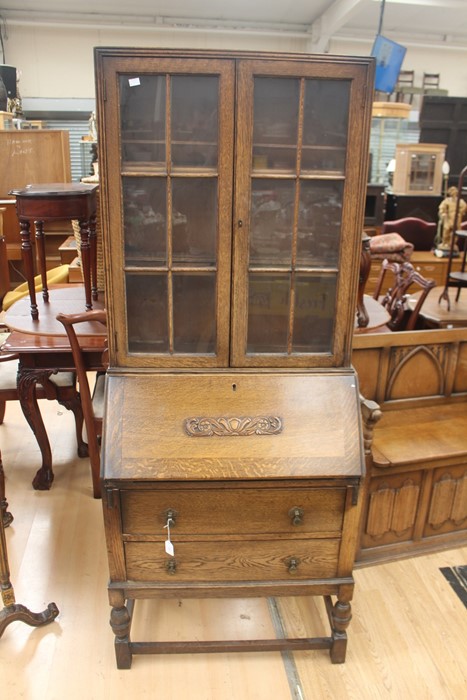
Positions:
(377, 314)
(435, 312)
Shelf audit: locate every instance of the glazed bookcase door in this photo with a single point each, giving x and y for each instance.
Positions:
(166, 156)
(300, 173)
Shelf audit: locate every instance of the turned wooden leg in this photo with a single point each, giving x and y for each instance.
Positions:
(86, 261)
(120, 621)
(27, 380)
(26, 254)
(339, 615)
(93, 256)
(40, 242)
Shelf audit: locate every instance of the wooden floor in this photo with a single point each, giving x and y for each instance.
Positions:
(407, 639)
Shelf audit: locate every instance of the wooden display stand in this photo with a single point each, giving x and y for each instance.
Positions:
(232, 458)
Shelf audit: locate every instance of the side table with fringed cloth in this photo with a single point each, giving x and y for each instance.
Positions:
(98, 272)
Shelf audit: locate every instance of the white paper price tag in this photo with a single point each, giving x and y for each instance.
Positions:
(169, 548)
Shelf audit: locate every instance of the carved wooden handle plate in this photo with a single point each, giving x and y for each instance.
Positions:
(230, 426)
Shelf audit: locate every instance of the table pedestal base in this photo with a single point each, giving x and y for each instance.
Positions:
(14, 611)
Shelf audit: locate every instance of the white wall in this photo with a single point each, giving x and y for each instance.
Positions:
(57, 61)
(451, 64)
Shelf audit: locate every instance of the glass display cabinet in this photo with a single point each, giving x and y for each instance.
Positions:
(232, 190)
(419, 168)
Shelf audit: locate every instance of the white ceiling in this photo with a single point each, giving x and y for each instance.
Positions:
(411, 22)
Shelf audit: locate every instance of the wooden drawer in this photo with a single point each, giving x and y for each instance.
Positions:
(232, 560)
(225, 511)
(433, 271)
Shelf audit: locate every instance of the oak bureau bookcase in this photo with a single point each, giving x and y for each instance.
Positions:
(232, 192)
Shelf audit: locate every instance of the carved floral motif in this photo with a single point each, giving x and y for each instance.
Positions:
(222, 426)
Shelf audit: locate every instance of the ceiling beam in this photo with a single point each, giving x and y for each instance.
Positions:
(439, 4)
(331, 20)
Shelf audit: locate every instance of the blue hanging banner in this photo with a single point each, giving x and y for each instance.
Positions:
(389, 57)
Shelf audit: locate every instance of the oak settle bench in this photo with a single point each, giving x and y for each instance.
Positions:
(416, 498)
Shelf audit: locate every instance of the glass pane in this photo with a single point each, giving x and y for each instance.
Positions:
(319, 224)
(144, 220)
(146, 297)
(142, 117)
(194, 120)
(325, 125)
(194, 301)
(315, 301)
(272, 207)
(268, 313)
(275, 127)
(422, 170)
(194, 220)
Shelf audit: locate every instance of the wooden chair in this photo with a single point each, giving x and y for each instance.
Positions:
(405, 85)
(394, 301)
(92, 404)
(430, 82)
(60, 386)
(414, 230)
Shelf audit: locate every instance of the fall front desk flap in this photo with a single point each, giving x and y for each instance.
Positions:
(232, 426)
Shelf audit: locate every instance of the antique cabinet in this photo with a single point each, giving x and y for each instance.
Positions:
(419, 168)
(423, 206)
(232, 190)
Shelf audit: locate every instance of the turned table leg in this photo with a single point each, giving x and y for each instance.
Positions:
(40, 242)
(93, 254)
(339, 615)
(120, 621)
(27, 256)
(86, 261)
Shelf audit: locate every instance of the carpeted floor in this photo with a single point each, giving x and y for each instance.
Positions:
(457, 577)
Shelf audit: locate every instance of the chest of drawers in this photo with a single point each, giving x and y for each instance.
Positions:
(255, 480)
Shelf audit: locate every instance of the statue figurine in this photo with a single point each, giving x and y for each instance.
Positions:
(447, 212)
(92, 127)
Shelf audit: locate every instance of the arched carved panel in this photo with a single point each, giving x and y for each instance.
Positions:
(416, 371)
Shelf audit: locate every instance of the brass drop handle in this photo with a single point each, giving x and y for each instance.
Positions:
(171, 516)
(292, 565)
(171, 566)
(296, 515)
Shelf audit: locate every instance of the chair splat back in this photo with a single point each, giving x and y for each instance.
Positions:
(395, 299)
